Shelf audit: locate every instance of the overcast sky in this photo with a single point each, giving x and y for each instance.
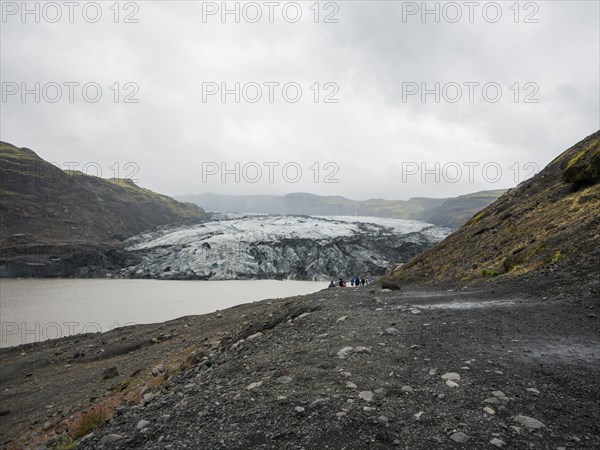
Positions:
(374, 58)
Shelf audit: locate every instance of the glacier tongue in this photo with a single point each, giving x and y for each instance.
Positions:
(280, 247)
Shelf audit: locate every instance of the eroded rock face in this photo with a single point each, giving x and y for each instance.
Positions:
(289, 247)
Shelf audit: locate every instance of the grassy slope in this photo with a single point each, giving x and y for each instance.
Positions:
(39, 202)
(548, 220)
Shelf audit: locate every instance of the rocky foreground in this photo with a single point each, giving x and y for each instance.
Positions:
(342, 368)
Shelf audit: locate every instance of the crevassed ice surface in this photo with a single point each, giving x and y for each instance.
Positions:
(297, 247)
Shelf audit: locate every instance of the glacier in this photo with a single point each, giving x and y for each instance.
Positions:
(244, 246)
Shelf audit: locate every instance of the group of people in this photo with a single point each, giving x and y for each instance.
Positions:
(354, 282)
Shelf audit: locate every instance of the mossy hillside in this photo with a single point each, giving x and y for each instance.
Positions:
(47, 204)
(584, 168)
(548, 220)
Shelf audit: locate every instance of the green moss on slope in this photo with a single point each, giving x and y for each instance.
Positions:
(542, 222)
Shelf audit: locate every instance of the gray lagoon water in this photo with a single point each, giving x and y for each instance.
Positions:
(33, 310)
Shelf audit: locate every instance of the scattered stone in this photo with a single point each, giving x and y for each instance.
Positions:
(237, 344)
(453, 376)
(368, 408)
(499, 398)
(87, 436)
(158, 370)
(391, 331)
(367, 396)
(111, 372)
(142, 424)
(281, 373)
(340, 414)
(254, 385)
(489, 411)
(497, 442)
(254, 336)
(460, 437)
(341, 319)
(528, 422)
(418, 415)
(110, 438)
(415, 311)
(284, 380)
(350, 385)
(414, 346)
(433, 372)
(344, 352)
(346, 374)
(383, 419)
(386, 290)
(407, 389)
(319, 402)
(299, 409)
(534, 391)
(362, 350)
(451, 384)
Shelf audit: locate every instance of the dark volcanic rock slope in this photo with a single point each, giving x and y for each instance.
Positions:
(548, 224)
(47, 213)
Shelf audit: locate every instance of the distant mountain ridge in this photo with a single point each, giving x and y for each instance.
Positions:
(450, 212)
(549, 225)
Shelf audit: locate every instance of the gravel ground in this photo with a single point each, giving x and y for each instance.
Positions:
(342, 368)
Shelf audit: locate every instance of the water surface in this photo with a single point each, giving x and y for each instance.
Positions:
(34, 310)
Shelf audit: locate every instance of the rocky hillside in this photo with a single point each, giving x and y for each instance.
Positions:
(451, 212)
(44, 209)
(548, 224)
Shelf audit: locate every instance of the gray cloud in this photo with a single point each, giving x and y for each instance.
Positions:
(369, 134)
